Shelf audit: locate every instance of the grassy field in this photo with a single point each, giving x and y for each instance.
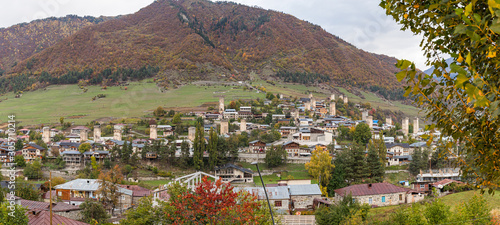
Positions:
(453, 200)
(297, 171)
(47, 106)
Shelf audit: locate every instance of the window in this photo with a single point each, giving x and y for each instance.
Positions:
(353, 200)
(383, 198)
(370, 200)
(422, 186)
(123, 197)
(400, 197)
(60, 193)
(277, 203)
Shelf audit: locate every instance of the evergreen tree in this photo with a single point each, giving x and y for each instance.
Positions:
(212, 149)
(416, 162)
(338, 179)
(185, 159)
(198, 148)
(382, 149)
(222, 150)
(360, 171)
(171, 152)
(275, 156)
(124, 152)
(375, 166)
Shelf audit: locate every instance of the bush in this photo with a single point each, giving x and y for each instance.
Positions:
(164, 174)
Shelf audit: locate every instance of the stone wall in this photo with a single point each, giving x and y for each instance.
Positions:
(302, 201)
(74, 215)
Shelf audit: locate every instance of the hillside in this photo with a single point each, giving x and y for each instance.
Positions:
(197, 39)
(22, 41)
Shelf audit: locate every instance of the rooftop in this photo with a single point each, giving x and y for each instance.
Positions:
(370, 189)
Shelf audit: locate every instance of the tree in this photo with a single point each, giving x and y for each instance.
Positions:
(341, 211)
(145, 213)
(320, 166)
(415, 165)
(16, 215)
(33, 170)
(212, 149)
(85, 147)
(159, 112)
(19, 160)
(61, 120)
(357, 163)
(373, 162)
(338, 179)
(185, 161)
(93, 212)
(198, 148)
(96, 168)
(362, 134)
(275, 156)
(19, 145)
(176, 119)
(27, 191)
(463, 101)
(108, 187)
(215, 203)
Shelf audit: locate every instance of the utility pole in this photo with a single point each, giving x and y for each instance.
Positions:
(50, 195)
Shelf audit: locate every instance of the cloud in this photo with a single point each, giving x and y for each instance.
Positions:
(360, 22)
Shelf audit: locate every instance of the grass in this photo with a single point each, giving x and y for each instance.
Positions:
(155, 183)
(394, 178)
(69, 101)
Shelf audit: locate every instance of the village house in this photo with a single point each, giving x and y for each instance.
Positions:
(42, 217)
(75, 192)
(232, 173)
(292, 148)
(257, 146)
(285, 131)
(279, 196)
(58, 208)
(440, 185)
(164, 130)
(399, 148)
(245, 114)
(230, 114)
(138, 193)
(440, 174)
(302, 196)
(32, 152)
(78, 129)
(72, 158)
(374, 194)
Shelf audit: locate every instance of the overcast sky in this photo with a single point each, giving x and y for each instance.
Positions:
(359, 22)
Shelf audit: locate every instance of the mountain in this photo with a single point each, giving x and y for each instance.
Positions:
(198, 39)
(448, 61)
(22, 41)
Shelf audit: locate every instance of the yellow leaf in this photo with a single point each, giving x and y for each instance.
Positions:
(470, 110)
(405, 16)
(460, 59)
(492, 54)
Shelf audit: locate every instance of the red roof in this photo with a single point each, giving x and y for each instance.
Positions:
(56, 207)
(374, 189)
(41, 217)
(446, 182)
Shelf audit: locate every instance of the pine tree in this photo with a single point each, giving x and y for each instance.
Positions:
(374, 164)
(382, 149)
(416, 162)
(198, 148)
(212, 149)
(171, 152)
(360, 171)
(124, 152)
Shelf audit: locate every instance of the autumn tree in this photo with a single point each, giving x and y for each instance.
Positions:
(33, 170)
(159, 112)
(85, 147)
(362, 134)
(109, 189)
(461, 98)
(321, 166)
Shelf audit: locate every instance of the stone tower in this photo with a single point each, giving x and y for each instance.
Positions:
(153, 132)
(191, 133)
(415, 126)
(369, 121)
(310, 95)
(84, 135)
(46, 135)
(307, 105)
(243, 125)
(117, 134)
(313, 104)
(333, 109)
(332, 97)
(405, 126)
(345, 100)
(221, 104)
(364, 115)
(388, 121)
(97, 133)
(296, 114)
(224, 127)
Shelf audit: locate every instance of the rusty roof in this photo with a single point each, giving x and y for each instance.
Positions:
(370, 189)
(41, 217)
(56, 207)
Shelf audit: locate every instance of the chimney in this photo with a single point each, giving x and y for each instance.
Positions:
(370, 185)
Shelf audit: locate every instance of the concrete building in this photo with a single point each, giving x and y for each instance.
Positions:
(232, 173)
(97, 133)
(46, 135)
(153, 132)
